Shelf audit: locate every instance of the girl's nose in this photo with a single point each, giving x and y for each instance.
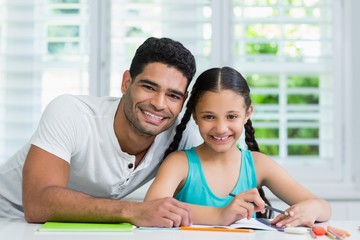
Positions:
(221, 126)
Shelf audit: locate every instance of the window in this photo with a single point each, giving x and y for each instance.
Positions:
(44, 53)
(286, 49)
(289, 51)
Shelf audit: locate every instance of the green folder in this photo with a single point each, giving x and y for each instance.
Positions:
(85, 227)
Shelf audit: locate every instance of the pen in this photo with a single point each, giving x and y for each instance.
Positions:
(217, 229)
(267, 207)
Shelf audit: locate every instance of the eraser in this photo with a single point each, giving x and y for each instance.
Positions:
(319, 231)
(296, 230)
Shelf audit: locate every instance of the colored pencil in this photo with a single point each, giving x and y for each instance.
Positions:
(217, 229)
(337, 235)
(330, 235)
(268, 207)
(340, 231)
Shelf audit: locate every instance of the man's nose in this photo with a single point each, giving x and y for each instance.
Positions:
(159, 101)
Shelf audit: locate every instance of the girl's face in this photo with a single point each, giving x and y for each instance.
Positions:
(221, 117)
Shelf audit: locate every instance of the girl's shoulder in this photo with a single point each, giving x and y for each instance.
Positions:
(175, 158)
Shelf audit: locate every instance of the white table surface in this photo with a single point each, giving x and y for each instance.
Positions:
(18, 229)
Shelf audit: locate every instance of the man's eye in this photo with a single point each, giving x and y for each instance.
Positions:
(174, 96)
(148, 87)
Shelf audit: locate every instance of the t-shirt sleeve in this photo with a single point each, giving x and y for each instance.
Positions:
(60, 128)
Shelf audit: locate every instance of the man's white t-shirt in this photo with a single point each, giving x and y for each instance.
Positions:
(80, 130)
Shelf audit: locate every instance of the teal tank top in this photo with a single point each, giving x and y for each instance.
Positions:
(197, 191)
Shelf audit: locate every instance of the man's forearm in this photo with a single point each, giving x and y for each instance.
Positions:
(61, 204)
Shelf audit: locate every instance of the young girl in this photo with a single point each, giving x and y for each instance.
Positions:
(205, 175)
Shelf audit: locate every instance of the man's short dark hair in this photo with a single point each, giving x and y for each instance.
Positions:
(166, 51)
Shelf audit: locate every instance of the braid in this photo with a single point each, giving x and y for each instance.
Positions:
(250, 137)
(179, 132)
(253, 146)
(268, 213)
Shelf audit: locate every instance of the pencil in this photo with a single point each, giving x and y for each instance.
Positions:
(337, 235)
(340, 231)
(330, 235)
(268, 207)
(217, 229)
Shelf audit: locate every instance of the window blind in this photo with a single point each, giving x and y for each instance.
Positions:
(187, 21)
(44, 52)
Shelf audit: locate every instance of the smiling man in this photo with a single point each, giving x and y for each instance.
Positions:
(89, 152)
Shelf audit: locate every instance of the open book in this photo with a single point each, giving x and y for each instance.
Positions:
(252, 223)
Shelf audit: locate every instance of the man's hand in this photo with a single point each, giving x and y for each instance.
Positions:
(164, 212)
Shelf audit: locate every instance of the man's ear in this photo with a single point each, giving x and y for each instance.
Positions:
(126, 81)
(186, 94)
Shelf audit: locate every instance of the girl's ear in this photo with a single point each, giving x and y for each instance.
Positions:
(194, 117)
(249, 113)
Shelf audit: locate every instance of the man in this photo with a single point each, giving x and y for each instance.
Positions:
(89, 152)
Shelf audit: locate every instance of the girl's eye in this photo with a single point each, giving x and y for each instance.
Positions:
(232, 117)
(208, 117)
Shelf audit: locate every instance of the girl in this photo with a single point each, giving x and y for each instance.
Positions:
(204, 176)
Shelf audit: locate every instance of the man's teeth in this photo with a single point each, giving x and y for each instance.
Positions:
(221, 138)
(153, 116)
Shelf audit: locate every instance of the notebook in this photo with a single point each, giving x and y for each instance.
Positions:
(85, 227)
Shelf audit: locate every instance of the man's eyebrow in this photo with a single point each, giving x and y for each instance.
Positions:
(174, 91)
(149, 82)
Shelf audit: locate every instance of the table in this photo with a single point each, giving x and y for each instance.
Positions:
(19, 229)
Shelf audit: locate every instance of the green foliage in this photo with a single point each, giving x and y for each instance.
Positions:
(266, 133)
(303, 99)
(262, 81)
(302, 81)
(63, 48)
(64, 31)
(303, 133)
(64, 1)
(261, 48)
(265, 98)
(303, 150)
(271, 150)
(74, 11)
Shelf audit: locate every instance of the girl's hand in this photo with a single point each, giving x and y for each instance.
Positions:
(304, 213)
(244, 205)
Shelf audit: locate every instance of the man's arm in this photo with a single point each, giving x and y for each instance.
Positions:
(47, 198)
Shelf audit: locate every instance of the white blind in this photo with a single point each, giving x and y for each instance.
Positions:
(187, 21)
(44, 53)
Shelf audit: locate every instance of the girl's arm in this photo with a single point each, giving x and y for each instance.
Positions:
(305, 207)
(171, 177)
